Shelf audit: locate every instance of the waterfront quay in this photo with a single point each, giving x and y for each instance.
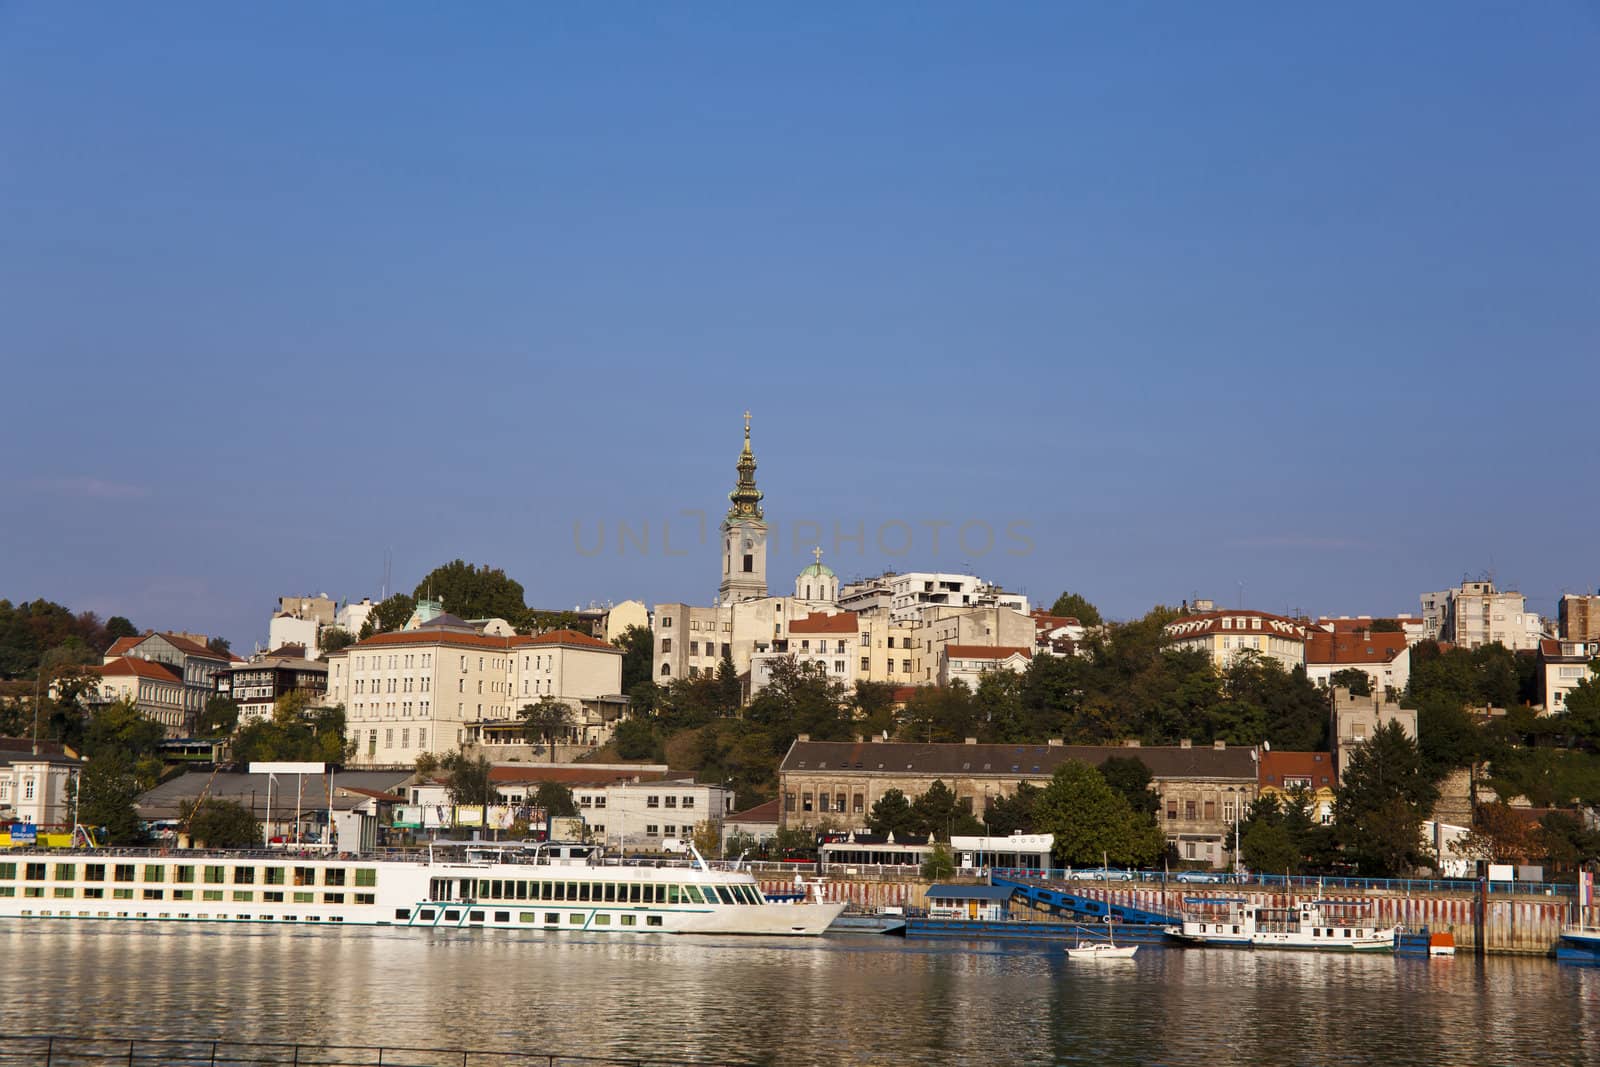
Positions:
(1502, 918)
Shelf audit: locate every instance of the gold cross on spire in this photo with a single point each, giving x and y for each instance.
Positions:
(816, 553)
(747, 423)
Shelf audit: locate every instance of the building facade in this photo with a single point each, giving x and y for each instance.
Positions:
(744, 535)
(1385, 657)
(1356, 719)
(1563, 665)
(255, 686)
(1476, 613)
(194, 665)
(1578, 617)
(36, 783)
(968, 664)
(1226, 635)
(1201, 792)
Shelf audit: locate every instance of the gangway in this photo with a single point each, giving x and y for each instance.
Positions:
(1057, 902)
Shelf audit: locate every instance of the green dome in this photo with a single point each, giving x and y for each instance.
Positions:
(817, 570)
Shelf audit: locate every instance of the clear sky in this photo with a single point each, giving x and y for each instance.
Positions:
(1293, 303)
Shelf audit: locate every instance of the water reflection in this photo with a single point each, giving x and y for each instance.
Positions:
(856, 1000)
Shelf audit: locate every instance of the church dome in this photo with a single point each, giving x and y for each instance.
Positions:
(817, 570)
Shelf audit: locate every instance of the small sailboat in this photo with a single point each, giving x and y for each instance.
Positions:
(1102, 950)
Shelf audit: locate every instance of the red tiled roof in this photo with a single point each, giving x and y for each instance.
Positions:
(1210, 622)
(767, 812)
(1275, 766)
(141, 668)
(1043, 620)
(192, 648)
(122, 645)
(566, 637)
(822, 623)
(1353, 648)
(986, 652)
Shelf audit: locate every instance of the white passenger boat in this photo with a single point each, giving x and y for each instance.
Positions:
(1317, 925)
(536, 887)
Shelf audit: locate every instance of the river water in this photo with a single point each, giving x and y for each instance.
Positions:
(854, 999)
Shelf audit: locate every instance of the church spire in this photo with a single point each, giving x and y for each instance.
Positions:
(746, 497)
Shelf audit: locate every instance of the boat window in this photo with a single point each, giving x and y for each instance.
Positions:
(153, 872)
(652, 920)
(272, 875)
(602, 920)
(96, 872)
(244, 875)
(583, 890)
(305, 876)
(575, 918)
(502, 916)
(366, 876)
(426, 914)
(214, 875)
(551, 918)
(722, 894)
(633, 893)
(693, 894)
(452, 915)
(611, 892)
(333, 876)
(123, 872)
(304, 898)
(672, 894)
(629, 920)
(67, 872)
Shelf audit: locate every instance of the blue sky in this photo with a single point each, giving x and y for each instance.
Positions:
(1294, 304)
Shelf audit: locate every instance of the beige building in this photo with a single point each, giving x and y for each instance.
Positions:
(621, 616)
(428, 689)
(1562, 666)
(1225, 635)
(987, 627)
(194, 664)
(155, 689)
(1356, 719)
(1385, 658)
(1200, 791)
(1476, 613)
(35, 783)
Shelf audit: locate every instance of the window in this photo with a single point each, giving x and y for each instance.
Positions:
(688, 802)
(652, 802)
(856, 803)
(672, 802)
(666, 644)
(788, 802)
(651, 830)
(1189, 809)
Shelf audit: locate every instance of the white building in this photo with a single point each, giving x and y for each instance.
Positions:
(353, 616)
(424, 690)
(36, 787)
(1476, 613)
(969, 663)
(640, 816)
(912, 594)
(1385, 657)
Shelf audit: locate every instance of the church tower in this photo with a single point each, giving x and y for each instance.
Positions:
(744, 535)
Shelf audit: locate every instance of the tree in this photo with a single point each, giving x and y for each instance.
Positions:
(1358, 681)
(473, 592)
(636, 740)
(107, 789)
(220, 645)
(333, 639)
(1268, 847)
(388, 615)
(120, 728)
(219, 719)
(1499, 834)
(874, 707)
(638, 644)
(940, 713)
(117, 628)
(547, 720)
(891, 814)
(467, 780)
(214, 823)
(1073, 606)
(1387, 626)
(730, 693)
(296, 732)
(1005, 816)
(1565, 841)
(1092, 823)
(938, 813)
(555, 799)
(426, 763)
(1384, 793)
(1130, 777)
(800, 698)
(939, 863)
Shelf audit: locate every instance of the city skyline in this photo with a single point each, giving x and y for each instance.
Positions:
(1256, 305)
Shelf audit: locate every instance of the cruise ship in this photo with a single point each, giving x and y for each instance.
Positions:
(546, 887)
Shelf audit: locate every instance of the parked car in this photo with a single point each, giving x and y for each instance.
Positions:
(1200, 876)
(1103, 874)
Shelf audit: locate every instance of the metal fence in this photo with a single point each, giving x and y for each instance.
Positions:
(1300, 881)
(32, 1050)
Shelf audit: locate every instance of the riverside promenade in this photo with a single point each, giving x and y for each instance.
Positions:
(1505, 918)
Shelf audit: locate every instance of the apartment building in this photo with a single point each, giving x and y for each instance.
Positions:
(1476, 613)
(1563, 665)
(1578, 617)
(1225, 635)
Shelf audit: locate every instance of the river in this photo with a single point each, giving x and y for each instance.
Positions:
(855, 999)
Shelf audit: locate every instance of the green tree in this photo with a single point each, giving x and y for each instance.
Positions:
(638, 644)
(296, 732)
(1269, 848)
(555, 799)
(473, 592)
(1384, 794)
(120, 728)
(219, 719)
(636, 739)
(874, 707)
(997, 707)
(940, 713)
(1565, 841)
(730, 692)
(1130, 777)
(546, 721)
(939, 864)
(1358, 681)
(467, 779)
(891, 814)
(334, 639)
(426, 763)
(220, 645)
(1090, 820)
(1074, 606)
(800, 698)
(117, 628)
(938, 812)
(1012, 814)
(217, 823)
(388, 615)
(107, 789)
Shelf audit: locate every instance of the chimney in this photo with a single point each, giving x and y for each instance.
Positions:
(1220, 746)
(1186, 743)
(970, 740)
(802, 737)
